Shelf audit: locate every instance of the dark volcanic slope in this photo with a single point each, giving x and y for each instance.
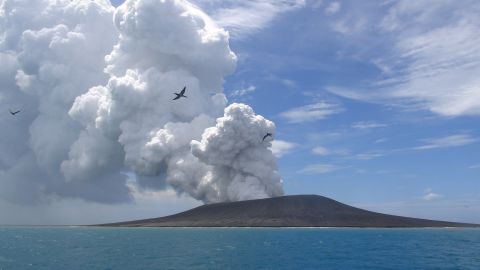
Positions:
(287, 211)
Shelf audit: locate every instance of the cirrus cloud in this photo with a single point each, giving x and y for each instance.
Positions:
(320, 168)
(431, 59)
(448, 141)
(312, 112)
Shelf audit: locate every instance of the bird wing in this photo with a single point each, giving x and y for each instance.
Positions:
(183, 91)
(177, 97)
(264, 137)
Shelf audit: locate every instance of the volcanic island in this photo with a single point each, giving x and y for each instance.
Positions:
(285, 211)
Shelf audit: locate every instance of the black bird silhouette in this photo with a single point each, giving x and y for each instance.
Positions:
(13, 113)
(181, 94)
(267, 135)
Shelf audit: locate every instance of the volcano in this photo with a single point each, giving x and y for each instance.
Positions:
(285, 211)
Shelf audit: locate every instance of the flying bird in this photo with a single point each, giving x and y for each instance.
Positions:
(181, 94)
(13, 113)
(267, 135)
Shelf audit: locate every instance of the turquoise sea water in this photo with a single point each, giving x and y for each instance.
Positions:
(228, 248)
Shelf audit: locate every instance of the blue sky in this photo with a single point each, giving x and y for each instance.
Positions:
(376, 103)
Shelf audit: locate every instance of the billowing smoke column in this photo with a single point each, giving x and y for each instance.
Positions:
(87, 127)
(241, 165)
(51, 52)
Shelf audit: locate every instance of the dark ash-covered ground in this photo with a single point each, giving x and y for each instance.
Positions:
(285, 211)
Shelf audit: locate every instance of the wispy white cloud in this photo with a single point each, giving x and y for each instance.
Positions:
(289, 83)
(323, 151)
(430, 195)
(349, 25)
(365, 95)
(281, 148)
(320, 150)
(475, 166)
(375, 172)
(312, 112)
(315, 4)
(333, 8)
(448, 141)
(432, 143)
(381, 140)
(341, 27)
(384, 67)
(370, 155)
(442, 73)
(244, 17)
(320, 169)
(244, 91)
(432, 60)
(367, 125)
(328, 136)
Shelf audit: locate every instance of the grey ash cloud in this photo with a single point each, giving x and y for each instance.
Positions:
(95, 85)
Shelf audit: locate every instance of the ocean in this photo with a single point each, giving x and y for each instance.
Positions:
(237, 248)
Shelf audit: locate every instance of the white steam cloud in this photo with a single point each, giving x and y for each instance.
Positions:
(242, 167)
(95, 85)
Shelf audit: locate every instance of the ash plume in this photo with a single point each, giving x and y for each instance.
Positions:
(98, 83)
